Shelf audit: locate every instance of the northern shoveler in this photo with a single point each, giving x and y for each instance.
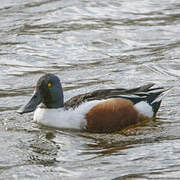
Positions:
(104, 110)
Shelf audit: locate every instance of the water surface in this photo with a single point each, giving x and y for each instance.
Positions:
(89, 45)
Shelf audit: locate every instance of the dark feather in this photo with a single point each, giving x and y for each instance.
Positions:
(135, 95)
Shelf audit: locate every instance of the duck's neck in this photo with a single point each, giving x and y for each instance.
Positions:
(56, 102)
(55, 105)
(54, 98)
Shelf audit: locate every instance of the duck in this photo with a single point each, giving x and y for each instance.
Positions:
(101, 111)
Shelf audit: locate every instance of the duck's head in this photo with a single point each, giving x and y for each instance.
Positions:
(48, 91)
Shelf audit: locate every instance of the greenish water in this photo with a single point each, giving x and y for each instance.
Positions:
(89, 45)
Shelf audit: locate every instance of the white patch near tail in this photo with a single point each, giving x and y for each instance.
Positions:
(144, 108)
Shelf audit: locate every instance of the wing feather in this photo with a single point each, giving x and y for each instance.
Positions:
(135, 95)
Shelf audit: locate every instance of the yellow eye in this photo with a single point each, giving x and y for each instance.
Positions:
(49, 84)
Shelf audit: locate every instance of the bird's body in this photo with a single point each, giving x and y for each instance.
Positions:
(105, 110)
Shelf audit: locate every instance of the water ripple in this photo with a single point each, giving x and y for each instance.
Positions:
(89, 45)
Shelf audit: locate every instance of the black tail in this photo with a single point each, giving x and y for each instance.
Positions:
(153, 97)
(155, 100)
(155, 107)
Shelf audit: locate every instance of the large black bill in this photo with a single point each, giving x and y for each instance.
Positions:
(32, 104)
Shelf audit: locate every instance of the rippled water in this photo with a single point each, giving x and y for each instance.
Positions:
(89, 45)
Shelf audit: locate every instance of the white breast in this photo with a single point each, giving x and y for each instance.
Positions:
(61, 118)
